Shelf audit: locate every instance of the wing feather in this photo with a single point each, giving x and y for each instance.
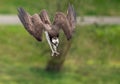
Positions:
(71, 16)
(47, 24)
(61, 21)
(67, 23)
(32, 24)
(44, 17)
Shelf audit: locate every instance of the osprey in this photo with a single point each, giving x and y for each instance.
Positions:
(38, 23)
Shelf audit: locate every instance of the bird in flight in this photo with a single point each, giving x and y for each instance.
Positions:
(38, 23)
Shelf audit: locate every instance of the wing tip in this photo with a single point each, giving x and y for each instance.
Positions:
(20, 9)
(71, 15)
(39, 39)
(71, 8)
(69, 38)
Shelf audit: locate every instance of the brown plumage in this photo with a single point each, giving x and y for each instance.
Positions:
(38, 23)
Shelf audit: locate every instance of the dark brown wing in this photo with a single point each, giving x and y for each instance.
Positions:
(47, 24)
(44, 17)
(71, 16)
(32, 24)
(61, 21)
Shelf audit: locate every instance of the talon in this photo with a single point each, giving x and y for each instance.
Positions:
(52, 54)
(57, 53)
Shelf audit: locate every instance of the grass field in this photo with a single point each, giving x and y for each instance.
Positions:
(82, 7)
(92, 59)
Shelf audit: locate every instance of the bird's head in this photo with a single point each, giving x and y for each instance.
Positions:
(55, 41)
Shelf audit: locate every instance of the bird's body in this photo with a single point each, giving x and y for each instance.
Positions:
(38, 23)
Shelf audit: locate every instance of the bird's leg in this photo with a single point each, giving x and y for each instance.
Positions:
(48, 39)
(55, 43)
(55, 49)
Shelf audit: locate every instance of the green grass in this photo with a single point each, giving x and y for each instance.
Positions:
(82, 7)
(92, 59)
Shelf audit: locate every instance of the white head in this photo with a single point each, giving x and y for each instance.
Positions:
(55, 41)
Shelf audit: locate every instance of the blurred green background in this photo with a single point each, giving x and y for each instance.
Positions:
(83, 7)
(94, 57)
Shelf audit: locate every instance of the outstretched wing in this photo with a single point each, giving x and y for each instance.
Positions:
(61, 21)
(32, 24)
(47, 24)
(44, 17)
(71, 16)
(67, 23)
